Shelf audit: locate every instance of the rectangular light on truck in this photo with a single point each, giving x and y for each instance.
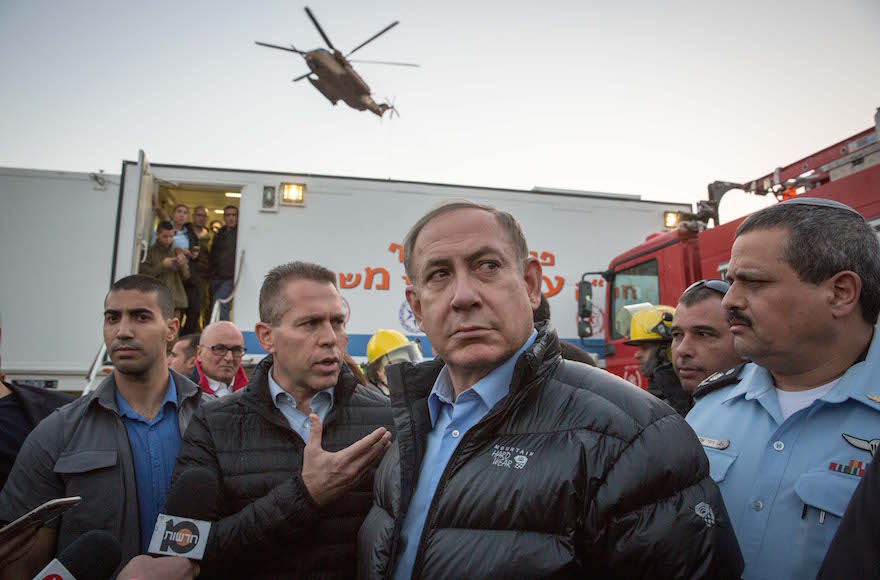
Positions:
(292, 193)
(670, 219)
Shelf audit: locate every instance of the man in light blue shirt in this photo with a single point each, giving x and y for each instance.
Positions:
(451, 419)
(789, 437)
(511, 462)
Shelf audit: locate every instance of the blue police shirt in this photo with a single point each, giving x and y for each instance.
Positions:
(154, 446)
(786, 484)
(321, 404)
(450, 420)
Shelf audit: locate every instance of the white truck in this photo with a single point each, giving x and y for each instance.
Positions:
(65, 236)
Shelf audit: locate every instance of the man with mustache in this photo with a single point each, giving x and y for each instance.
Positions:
(789, 437)
(116, 446)
(511, 462)
(295, 450)
(701, 340)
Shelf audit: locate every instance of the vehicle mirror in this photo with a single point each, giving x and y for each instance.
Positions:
(585, 329)
(585, 299)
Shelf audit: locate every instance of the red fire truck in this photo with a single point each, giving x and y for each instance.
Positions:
(659, 269)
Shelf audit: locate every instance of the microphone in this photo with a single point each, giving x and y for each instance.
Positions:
(189, 510)
(95, 555)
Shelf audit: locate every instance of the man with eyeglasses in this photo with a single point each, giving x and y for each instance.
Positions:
(218, 360)
(702, 344)
(203, 262)
(790, 436)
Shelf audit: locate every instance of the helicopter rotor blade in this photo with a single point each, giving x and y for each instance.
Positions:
(372, 38)
(320, 30)
(291, 49)
(386, 62)
(301, 77)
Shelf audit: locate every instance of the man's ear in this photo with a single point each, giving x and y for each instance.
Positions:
(844, 290)
(191, 361)
(173, 325)
(532, 273)
(264, 337)
(412, 297)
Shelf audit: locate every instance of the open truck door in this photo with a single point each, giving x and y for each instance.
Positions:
(135, 217)
(146, 196)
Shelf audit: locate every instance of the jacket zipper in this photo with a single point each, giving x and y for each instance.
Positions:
(515, 379)
(442, 484)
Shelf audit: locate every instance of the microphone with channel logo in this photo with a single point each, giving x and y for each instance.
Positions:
(94, 555)
(189, 510)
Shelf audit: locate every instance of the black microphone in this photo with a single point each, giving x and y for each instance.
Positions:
(189, 510)
(95, 555)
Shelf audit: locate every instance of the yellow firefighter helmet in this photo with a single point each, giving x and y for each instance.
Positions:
(651, 325)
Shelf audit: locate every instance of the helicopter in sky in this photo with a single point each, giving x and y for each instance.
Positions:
(332, 74)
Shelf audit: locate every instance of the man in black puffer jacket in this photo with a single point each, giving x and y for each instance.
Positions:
(294, 452)
(512, 463)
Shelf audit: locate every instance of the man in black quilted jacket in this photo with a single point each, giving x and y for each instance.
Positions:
(510, 462)
(295, 451)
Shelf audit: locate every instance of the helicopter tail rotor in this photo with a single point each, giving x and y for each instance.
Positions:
(391, 108)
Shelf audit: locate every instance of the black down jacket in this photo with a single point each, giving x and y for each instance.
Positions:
(268, 526)
(575, 473)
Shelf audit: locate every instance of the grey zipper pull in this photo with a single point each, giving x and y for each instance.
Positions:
(821, 517)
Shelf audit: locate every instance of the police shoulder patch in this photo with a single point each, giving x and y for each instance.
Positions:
(718, 380)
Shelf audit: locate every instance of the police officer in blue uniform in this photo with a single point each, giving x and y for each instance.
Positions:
(790, 435)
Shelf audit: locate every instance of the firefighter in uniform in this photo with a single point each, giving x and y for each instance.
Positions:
(388, 347)
(790, 435)
(650, 333)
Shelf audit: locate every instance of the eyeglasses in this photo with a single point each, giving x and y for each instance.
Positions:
(720, 286)
(221, 350)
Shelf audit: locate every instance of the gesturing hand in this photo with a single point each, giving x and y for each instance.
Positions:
(328, 475)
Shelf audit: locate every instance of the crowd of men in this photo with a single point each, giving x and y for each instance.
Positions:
(195, 262)
(501, 457)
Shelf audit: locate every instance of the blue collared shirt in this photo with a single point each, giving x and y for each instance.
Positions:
(154, 446)
(181, 239)
(450, 420)
(321, 404)
(786, 484)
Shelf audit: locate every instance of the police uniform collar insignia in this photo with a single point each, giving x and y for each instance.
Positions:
(717, 380)
(863, 444)
(874, 398)
(722, 443)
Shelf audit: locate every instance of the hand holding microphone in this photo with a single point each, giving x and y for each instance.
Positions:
(150, 568)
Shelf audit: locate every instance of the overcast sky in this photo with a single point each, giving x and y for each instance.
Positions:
(657, 98)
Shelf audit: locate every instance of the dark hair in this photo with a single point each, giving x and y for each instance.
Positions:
(508, 224)
(231, 207)
(147, 285)
(164, 226)
(180, 205)
(542, 312)
(824, 241)
(697, 295)
(192, 344)
(273, 304)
